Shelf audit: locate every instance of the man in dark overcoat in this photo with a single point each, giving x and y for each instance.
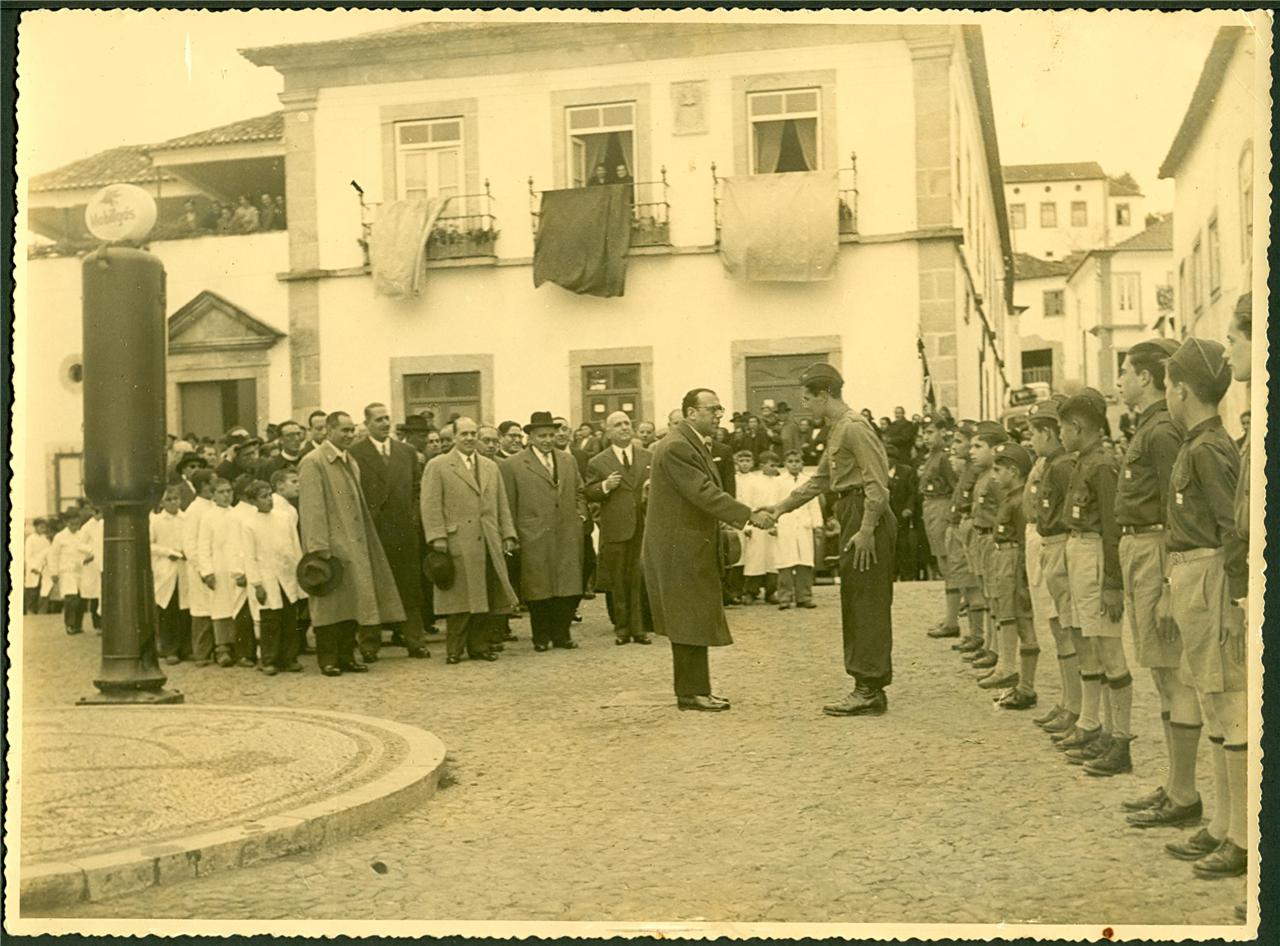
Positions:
(389, 475)
(681, 549)
(615, 479)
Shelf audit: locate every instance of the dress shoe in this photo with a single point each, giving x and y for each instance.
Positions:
(807, 605)
(1078, 737)
(270, 671)
(1150, 800)
(453, 659)
(863, 701)
(938, 633)
(356, 668)
(541, 647)
(703, 704)
(999, 681)
(244, 662)
(969, 645)
(718, 699)
(293, 668)
(642, 639)
(225, 660)
(1049, 716)
(1194, 847)
(369, 656)
(1017, 699)
(1229, 860)
(566, 645)
(1168, 815)
(621, 639)
(171, 660)
(784, 607)
(577, 617)
(1115, 761)
(490, 657)
(588, 596)
(331, 671)
(1087, 753)
(419, 653)
(1062, 727)
(985, 662)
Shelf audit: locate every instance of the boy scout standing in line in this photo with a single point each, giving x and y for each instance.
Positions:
(986, 501)
(1140, 502)
(937, 483)
(959, 531)
(1208, 580)
(1043, 612)
(1051, 529)
(1097, 594)
(1013, 614)
(856, 468)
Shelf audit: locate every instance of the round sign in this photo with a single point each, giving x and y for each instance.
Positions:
(120, 212)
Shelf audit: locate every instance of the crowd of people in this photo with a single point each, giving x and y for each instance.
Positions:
(323, 537)
(246, 215)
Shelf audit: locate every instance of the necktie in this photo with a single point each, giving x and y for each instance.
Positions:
(475, 469)
(626, 459)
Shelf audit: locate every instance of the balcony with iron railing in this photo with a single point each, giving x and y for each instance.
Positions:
(650, 211)
(465, 229)
(1040, 374)
(847, 207)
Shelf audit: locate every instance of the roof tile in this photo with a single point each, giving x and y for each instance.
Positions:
(1031, 173)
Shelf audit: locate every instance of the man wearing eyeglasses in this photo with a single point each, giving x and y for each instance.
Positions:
(681, 551)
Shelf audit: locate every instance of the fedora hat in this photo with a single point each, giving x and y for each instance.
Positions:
(438, 566)
(539, 419)
(318, 576)
(189, 459)
(730, 547)
(416, 424)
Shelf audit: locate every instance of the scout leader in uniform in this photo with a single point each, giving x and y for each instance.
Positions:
(1208, 580)
(856, 468)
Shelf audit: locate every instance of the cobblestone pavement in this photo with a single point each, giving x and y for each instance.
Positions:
(576, 791)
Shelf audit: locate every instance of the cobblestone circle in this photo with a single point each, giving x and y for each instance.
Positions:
(576, 791)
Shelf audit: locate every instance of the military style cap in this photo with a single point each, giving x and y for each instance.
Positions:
(1154, 348)
(1244, 305)
(1205, 360)
(941, 421)
(992, 429)
(1014, 453)
(1088, 402)
(820, 371)
(1044, 410)
(967, 427)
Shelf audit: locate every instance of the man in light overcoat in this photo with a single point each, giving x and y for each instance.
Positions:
(544, 489)
(465, 513)
(336, 523)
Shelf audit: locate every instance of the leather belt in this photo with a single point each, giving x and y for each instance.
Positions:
(1142, 530)
(841, 494)
(1084, 534)
(983, 530)
(1006, 545)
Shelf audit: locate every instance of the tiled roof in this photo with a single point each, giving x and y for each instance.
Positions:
(1026, 266)
(1120, 189)
(1215, 70)
(125, 165)
(396, 36)
(1031, 173)
(1158, 236)
(262, 128)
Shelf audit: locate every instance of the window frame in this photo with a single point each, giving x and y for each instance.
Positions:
(636, 391)
(1123, 207)
(828, 122)
(439, 404)
(58, 495)
(784, 115)
(392, 115)
(460, 146)
(1244, 182)
(1050, 205)
(1061, 295)
(1083, 207)
(1213, 243)
(602, 129)
(1122, 281)
(1197, 277)
(1017, 211)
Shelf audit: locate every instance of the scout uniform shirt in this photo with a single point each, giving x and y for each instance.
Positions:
(1091, 503)
(1201, 513)
(1242, 494)
(937, 479)
(1051, 493)
(986, 501)
(855, 459)
(1147, 466)
(962, 496)
(1031, 491)
(1011, 520)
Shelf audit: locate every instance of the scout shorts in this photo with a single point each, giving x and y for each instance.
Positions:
(1202, 608)
(1053, 568)
(1042, 605)
(958, 557)
(936, 513)
(1084, 573)
(1143, 567)
(1007, 581)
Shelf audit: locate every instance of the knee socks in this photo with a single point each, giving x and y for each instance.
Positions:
(1236, 760)
(1121, 693)
(953, 608)
(1184, 745)
(1221, 816)
(1090, 695)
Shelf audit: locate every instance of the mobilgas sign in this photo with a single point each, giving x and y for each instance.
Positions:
(120, 212)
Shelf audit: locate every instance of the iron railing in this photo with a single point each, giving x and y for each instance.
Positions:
(650, 211)
(848, 197)
(1042, 374)
(466, 227)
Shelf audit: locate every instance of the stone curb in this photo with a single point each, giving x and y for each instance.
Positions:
(45, 886)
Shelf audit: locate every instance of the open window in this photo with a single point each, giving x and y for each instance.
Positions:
(429, 158)
(785, 131)
(601, 143)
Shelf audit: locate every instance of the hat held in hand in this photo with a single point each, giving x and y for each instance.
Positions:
(319, 575)
(438, 566)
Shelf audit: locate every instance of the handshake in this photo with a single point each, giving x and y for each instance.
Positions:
(766, 517)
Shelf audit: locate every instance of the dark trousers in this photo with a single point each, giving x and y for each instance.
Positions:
(30, 599)
(472, 633)
(733, 582)
(588, 564)
(246, 646)
(302, 614)
(866, 597)
(336, 645)
(625, 597)
(691, 670)
(411, 632)
(513, 573)
(91, 605)
(173, 635)
(752, 583)
(73, 613)
(279, 628)
(551, 619)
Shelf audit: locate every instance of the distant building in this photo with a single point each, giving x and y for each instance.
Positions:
(1040, 300)
(1059, 209)
(1218, 160)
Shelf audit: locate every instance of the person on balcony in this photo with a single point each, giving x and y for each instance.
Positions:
(245, 219)
(599, 176)
(266, 213)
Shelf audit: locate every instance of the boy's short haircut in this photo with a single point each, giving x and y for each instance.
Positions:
(172, 490)
(240, 485)
(793, 453)
(744, 453)
(768, 455)
(1049, 423)
(256, 488)
(1205, 390)
(202, 477)
(221, 481)
(282, 474)
(991, 438)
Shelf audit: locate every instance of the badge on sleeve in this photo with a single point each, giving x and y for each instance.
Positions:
(1128, 473)
(1177, 498)
(1075, 512)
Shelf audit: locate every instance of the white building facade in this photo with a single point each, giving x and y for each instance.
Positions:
(1059, 209)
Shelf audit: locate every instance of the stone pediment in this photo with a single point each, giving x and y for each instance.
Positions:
(211, 323)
